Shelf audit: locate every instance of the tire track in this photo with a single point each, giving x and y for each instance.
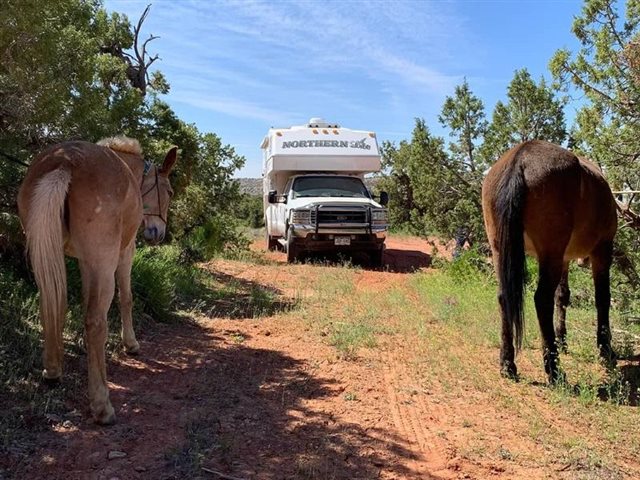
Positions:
(410, 417)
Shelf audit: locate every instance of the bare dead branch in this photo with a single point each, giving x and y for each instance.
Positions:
(139, 61)
(136, 31)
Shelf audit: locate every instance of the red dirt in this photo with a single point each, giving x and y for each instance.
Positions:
(264, 398)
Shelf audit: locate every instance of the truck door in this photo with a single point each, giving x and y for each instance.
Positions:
(279, 214)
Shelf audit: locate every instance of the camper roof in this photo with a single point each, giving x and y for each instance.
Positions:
(319, 145)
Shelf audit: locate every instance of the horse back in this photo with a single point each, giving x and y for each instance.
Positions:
(103, 201)
(568, 208)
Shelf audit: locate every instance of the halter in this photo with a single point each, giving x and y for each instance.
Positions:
(147, 168)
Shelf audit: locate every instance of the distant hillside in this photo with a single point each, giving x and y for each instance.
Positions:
(253, 186)
(250, 186)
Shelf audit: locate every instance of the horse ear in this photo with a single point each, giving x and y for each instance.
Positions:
(169, 162)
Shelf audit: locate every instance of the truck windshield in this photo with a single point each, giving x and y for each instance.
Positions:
(310, 186)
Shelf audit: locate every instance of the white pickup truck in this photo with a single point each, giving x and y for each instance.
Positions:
(315, 199)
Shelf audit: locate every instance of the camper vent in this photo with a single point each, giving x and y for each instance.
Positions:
(321, 123)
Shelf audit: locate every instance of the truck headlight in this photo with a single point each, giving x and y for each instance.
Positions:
(301, 217)
(379, 217)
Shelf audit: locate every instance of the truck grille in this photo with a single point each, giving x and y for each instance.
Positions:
(338, 215)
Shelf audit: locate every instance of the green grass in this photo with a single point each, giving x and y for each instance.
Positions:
(461, 350)
(449, 317)
(350, 320)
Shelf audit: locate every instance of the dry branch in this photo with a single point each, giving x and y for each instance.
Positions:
(138, 64)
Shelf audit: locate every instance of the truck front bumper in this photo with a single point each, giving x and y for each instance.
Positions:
(310, 238)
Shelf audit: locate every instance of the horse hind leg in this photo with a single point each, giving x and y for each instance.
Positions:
(562, 298)
(508, 367)
(601, 259)
(123, 276)
(548, 280)
(98, 284)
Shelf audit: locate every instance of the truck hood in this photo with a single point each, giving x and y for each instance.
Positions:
(308, 202)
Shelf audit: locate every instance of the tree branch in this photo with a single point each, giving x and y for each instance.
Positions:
(13, 159)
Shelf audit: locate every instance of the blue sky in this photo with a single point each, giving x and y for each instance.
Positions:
(237, 68)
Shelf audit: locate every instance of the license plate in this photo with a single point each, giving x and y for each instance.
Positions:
(342, 240)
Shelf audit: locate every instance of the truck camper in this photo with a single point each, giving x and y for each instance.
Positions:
(314, 195)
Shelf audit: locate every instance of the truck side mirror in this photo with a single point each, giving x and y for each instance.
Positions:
(384, 198)
(272, 196)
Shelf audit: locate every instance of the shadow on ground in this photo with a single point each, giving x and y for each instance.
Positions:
(630, 378)
(239, 298)
(395, 261)
(193, 401)
(199, 400)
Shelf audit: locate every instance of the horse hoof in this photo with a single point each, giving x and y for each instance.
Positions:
(132, 350)
(510, 371)
(106, 418)
(608, 357)
(562, 346)
(51, 380)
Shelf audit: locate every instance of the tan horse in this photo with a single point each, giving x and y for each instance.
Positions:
(88, 201)
(543, 199)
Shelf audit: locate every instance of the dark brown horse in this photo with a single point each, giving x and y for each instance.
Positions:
(88, 201)
(543, 200)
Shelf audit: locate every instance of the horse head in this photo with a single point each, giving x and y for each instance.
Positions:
(156, 195)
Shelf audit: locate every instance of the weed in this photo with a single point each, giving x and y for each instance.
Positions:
(505, 454)
(350, 397)
(616, 389)
(202, 440)
(349, 337)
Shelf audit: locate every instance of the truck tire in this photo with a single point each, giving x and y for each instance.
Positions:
(293, 250)
(270, 242)
(376, 258)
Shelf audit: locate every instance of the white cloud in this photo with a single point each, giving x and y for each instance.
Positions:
(233, 107)
(260, 45)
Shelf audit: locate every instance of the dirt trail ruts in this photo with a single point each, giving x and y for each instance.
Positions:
(258, 398)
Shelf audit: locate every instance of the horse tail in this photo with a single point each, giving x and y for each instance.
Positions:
(45, 248)
(511, 266)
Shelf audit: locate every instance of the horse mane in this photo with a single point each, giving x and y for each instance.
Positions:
(122, 144)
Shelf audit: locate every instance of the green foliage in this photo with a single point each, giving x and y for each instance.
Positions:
(397, 182)
(156, 276)
(251, 211)
(435, 190)
(429, 190)
(19, 328)
(464, 115)
(219, 233)
(349, 337)
(469, 264)
(604, 73)
(202, 212)
(531, 112)
(63, 76)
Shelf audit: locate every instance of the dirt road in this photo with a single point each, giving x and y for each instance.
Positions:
(235, 396)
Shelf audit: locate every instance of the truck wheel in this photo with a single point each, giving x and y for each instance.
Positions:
(293, 252)
(270, 242)
(376, 258)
